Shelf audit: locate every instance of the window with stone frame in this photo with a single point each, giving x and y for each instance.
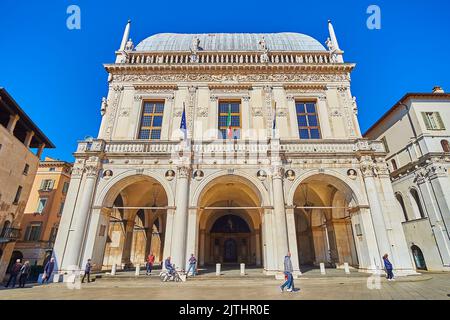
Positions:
(47, 184)
(151, 120)
(433, 121)
(308, 120)
(18, 193)
(234, 109)
(33, 231)
(65, 187)
(41, 205)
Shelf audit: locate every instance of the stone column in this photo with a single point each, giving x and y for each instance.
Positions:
(292, 238)
(367, 168)
(270, 250)
(202, 248)
(368, 253)
(28, 138)
(258, 247)
(95, 243)
(81, 216)
(61, 243)
(168, 234)
(280, 216)
(180, 218)
(292, 117)
(246, 127)
(167, 119)
(12, 122)
(438, 186)
(401, 257)
(128, 241)
(40, 150)
(191, 247)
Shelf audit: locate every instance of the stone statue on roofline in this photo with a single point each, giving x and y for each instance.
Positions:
(104, 106)
(129, 46)
(330, 45)
(195, 45)
(262, 44)
(263, 47)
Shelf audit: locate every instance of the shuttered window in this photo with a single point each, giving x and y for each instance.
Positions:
(433, 121)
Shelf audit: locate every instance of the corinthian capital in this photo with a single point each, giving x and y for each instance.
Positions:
(367, 167)
(278, 172)
(91, 171)
(183, 171)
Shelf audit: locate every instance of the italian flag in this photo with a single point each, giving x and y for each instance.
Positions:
(229, 131)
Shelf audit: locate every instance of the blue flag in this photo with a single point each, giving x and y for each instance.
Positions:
(183, 122)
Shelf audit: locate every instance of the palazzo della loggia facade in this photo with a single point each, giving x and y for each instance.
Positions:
(271, 160)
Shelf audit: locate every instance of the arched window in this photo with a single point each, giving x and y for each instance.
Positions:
(394, 165)
(402, 204)
(445, 145)
(416, 198)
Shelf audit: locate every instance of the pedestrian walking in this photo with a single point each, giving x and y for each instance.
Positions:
(388, 267)
(48, 270)
(15, 270)
(150, 262)
(192, 264)
(24, 273)
(289, 278)
(87, 271)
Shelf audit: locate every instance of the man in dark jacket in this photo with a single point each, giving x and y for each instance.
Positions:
(48, 270)
(87, 271)
(24, 273)
(388, 267)
(15, 270)
(288, 274)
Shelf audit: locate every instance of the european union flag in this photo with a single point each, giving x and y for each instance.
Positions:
(183, 122)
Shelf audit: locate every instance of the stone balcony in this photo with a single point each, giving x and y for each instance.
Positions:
(233, 148)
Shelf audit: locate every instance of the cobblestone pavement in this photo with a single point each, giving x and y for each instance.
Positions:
(434, 286)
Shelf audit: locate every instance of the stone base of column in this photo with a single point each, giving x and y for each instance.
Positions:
(270, 272)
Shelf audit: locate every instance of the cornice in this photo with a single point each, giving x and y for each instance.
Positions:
(133, 68)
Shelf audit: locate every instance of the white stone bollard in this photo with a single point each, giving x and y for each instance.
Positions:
(322, 268)
(217, 269)
(113, 270)
(242, 269)
(346, 268)
(123, 267)
(138, 270)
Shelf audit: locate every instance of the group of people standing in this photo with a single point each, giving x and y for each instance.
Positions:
(21, 272)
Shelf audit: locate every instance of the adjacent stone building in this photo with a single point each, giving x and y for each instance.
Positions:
(43, 211)
(234, 147)
(18, 166)
(416, 135)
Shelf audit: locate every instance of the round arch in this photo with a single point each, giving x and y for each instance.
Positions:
(337, 179)
(111, 190)
(244, 177)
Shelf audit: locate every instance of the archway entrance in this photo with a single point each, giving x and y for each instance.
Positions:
(230, 235)
(419, 259)
(136, 224)
(230, 223)
(323, 222)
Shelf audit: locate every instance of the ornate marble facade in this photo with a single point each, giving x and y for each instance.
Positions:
(325, 200)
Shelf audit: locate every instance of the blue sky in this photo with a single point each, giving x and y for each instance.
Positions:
(57, 76)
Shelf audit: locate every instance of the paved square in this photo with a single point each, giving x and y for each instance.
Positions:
(424, 287)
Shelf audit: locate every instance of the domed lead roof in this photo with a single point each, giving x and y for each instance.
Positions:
(286, 41)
